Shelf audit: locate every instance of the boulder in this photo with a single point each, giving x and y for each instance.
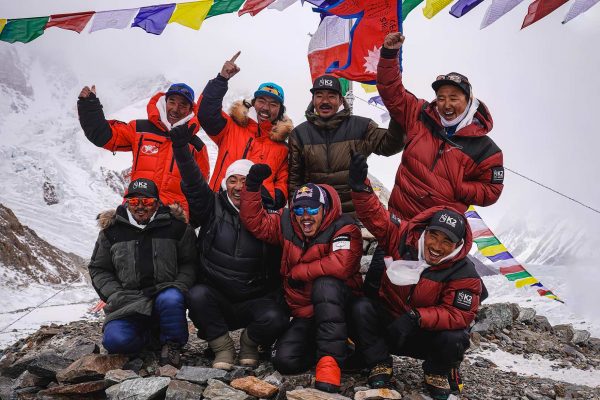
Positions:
(182, 390)
(168, 371)
(493, 317)
(199, 375)
(314, 394)
(580, 337)
(217, 390)
(27, 379)
(139, 389)
(48, 364)
(115, 376)
(80, 347)
(541, 323)
(91, 367)
(254, 386)
(565, 332)
(526, 314)
(78, 388)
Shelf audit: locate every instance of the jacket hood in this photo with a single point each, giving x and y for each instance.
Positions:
(333, 213)
(482, 121)
(417, 225)
(109, 217)
(278, 132)
(154, 114)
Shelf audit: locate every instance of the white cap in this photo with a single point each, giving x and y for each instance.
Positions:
(238, 167)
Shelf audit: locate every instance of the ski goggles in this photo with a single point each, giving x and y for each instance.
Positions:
(146, 201)
(309, 210)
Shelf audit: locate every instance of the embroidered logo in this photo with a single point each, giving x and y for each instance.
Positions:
(149, 149)
(304, 191)
(497, 174)
(325, 82)
(463, 300)
(341, 242)
(140, 185)
(445, 218)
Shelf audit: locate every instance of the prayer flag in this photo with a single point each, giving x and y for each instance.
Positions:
(116, 19)
(329, 43)
(432, 7)
(73, 22)
(497, 9)
(461, 7)
(2, 24)
(408, 6)
(539, 9)
(191, 14)
(253, 7)
(153, 19)
(224, 7)
(578, 8)
(23, 29)
(376, 100)
(281, 5)
(368, 88)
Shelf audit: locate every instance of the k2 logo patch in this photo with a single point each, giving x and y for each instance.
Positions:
(341, 242)
(463, 299)
(149, 149)
(497, 174)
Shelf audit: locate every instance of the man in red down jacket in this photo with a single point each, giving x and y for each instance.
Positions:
(448, 159)
(427, 299)
(148, 139)
(320, 269)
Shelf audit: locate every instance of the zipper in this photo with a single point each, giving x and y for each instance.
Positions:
(172, 162)
(410, 293)
(438, 155)
(327, 132)
(247, 148)
(221, 166)
(137, 154)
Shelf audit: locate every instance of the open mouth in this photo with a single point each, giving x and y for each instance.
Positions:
(264, 115)
(434, 255)
(325, 107)
(449, 115)
(307, 226)
(174, 117)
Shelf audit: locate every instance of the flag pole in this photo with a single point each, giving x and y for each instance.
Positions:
(350, 94)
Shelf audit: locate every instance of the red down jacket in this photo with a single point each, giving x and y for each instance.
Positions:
(463, 170)
(447, 295)
(307, 260)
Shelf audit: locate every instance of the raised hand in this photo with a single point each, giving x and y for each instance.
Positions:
(230, 68)
(87, 91)
(258, 173)
(393, 40)
(182, 134)
(358, 172)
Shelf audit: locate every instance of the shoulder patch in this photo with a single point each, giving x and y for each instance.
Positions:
(497, 174)
(341, 242)
(395, 220)
(271, 211)
(463, 299)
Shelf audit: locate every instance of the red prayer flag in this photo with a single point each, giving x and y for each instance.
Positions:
(539, 9)
(254, 6)
(73, 22)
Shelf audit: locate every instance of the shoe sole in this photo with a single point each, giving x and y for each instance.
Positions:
(327, 387)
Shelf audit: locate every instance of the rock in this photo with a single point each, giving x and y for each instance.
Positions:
(80, 347)
(217, 390)
(91, 367)
(314, 394)
(27, 379)
(299, 380)
(115, 376)
(254, 386)
(275, 379)
(199, 375)
(135, 365)
(17, 367)
(493, 317)
(48, 364)
(564, 332)
(580, 337)
(516, 310)
(526, 314)
(167, 370)
(475, 339)
(5, 387)
(78, 388)
(541, 323)
(377, 394)
(237, 372)
(139, 389)
(182, 390)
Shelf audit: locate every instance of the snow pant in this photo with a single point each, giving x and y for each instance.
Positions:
(130, 335)
(374, 274)
(441, 350)
(265, 318)
(324, 334)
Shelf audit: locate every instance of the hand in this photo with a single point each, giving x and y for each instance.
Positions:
(87, 92)
(403, 327)
(358, 172)
(258, 173)
(294, 284)
(393, 40)
(182, 134)
(230, 68)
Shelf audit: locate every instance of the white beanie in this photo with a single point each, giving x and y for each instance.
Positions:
(238, 167)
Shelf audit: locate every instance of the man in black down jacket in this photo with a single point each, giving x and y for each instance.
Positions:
(240, 285)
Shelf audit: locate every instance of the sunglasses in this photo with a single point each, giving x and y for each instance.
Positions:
(454, 78)
(146, 201)
(309, 210)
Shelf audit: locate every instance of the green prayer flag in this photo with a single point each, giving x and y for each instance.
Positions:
(224, 7)
(482, 243)
(518, 275)
(345, 84)
(23, 29)
(408, 6)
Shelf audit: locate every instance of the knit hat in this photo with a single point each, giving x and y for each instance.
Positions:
(449, 222)
(453, 79)
(270, 89)
(310, 195)
(183, 90)
(142, 187)
(238, 167)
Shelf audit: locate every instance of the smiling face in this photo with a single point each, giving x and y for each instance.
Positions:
(142, 208)
(326, 102)
(178, 107)
(267, 108)
(451, 102)
(437, 246)
(234, 185)
(310, 224)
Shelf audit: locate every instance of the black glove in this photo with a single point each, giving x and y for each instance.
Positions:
(358, 172)
(258, 173)
(182, 134)
(403, 327)
(293, 283)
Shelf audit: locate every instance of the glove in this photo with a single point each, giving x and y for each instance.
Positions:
(403, 327)
(293, 283)
(182, 134)
(358, 172)
(258, 173)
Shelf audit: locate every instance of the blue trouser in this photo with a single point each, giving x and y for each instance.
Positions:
(130, 335)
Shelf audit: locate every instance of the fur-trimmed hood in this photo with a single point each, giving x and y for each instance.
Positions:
(109, 217)
(278, 132)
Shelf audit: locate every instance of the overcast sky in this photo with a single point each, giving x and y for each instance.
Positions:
(541, 83)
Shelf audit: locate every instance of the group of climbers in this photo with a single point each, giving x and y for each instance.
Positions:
(279, 247)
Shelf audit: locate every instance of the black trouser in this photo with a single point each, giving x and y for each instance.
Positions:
(441, 350)
(265, 318)
(324, 334)
(374, 273)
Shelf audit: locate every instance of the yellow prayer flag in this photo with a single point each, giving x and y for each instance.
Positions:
(191, 14)
(368, 88)
(433, 7)
(526, 282)
(2, 24)
(493, 250)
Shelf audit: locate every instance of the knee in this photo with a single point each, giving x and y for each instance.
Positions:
(198, 294)
(119, 340)
(288, 363)
(452, 344)
(276, 319)
(326, 289)
(170, 298)
(362, 308)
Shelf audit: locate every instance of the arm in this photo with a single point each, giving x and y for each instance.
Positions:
(385, 142)
(264, 226)
(484, 187)
(186, 258)
(101, 269)
(281, 184)
(203, 162)
(210, 109)
(341, 262)
(459, 303)
(296, 163)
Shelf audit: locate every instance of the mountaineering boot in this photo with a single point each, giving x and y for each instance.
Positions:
(170, 353)
(381, 374)
(224, 352)
(438, 386)
(456, 383)
(328, 376)
(249, 354)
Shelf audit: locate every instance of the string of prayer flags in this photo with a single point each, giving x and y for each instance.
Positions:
(191, 14)
(253, 7)
(496, 10)
(153, 19)
(539, 9)
(23, 29)
(224, 7)
(115, 19)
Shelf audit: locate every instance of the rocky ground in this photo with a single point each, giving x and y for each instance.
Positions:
(68, 362)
